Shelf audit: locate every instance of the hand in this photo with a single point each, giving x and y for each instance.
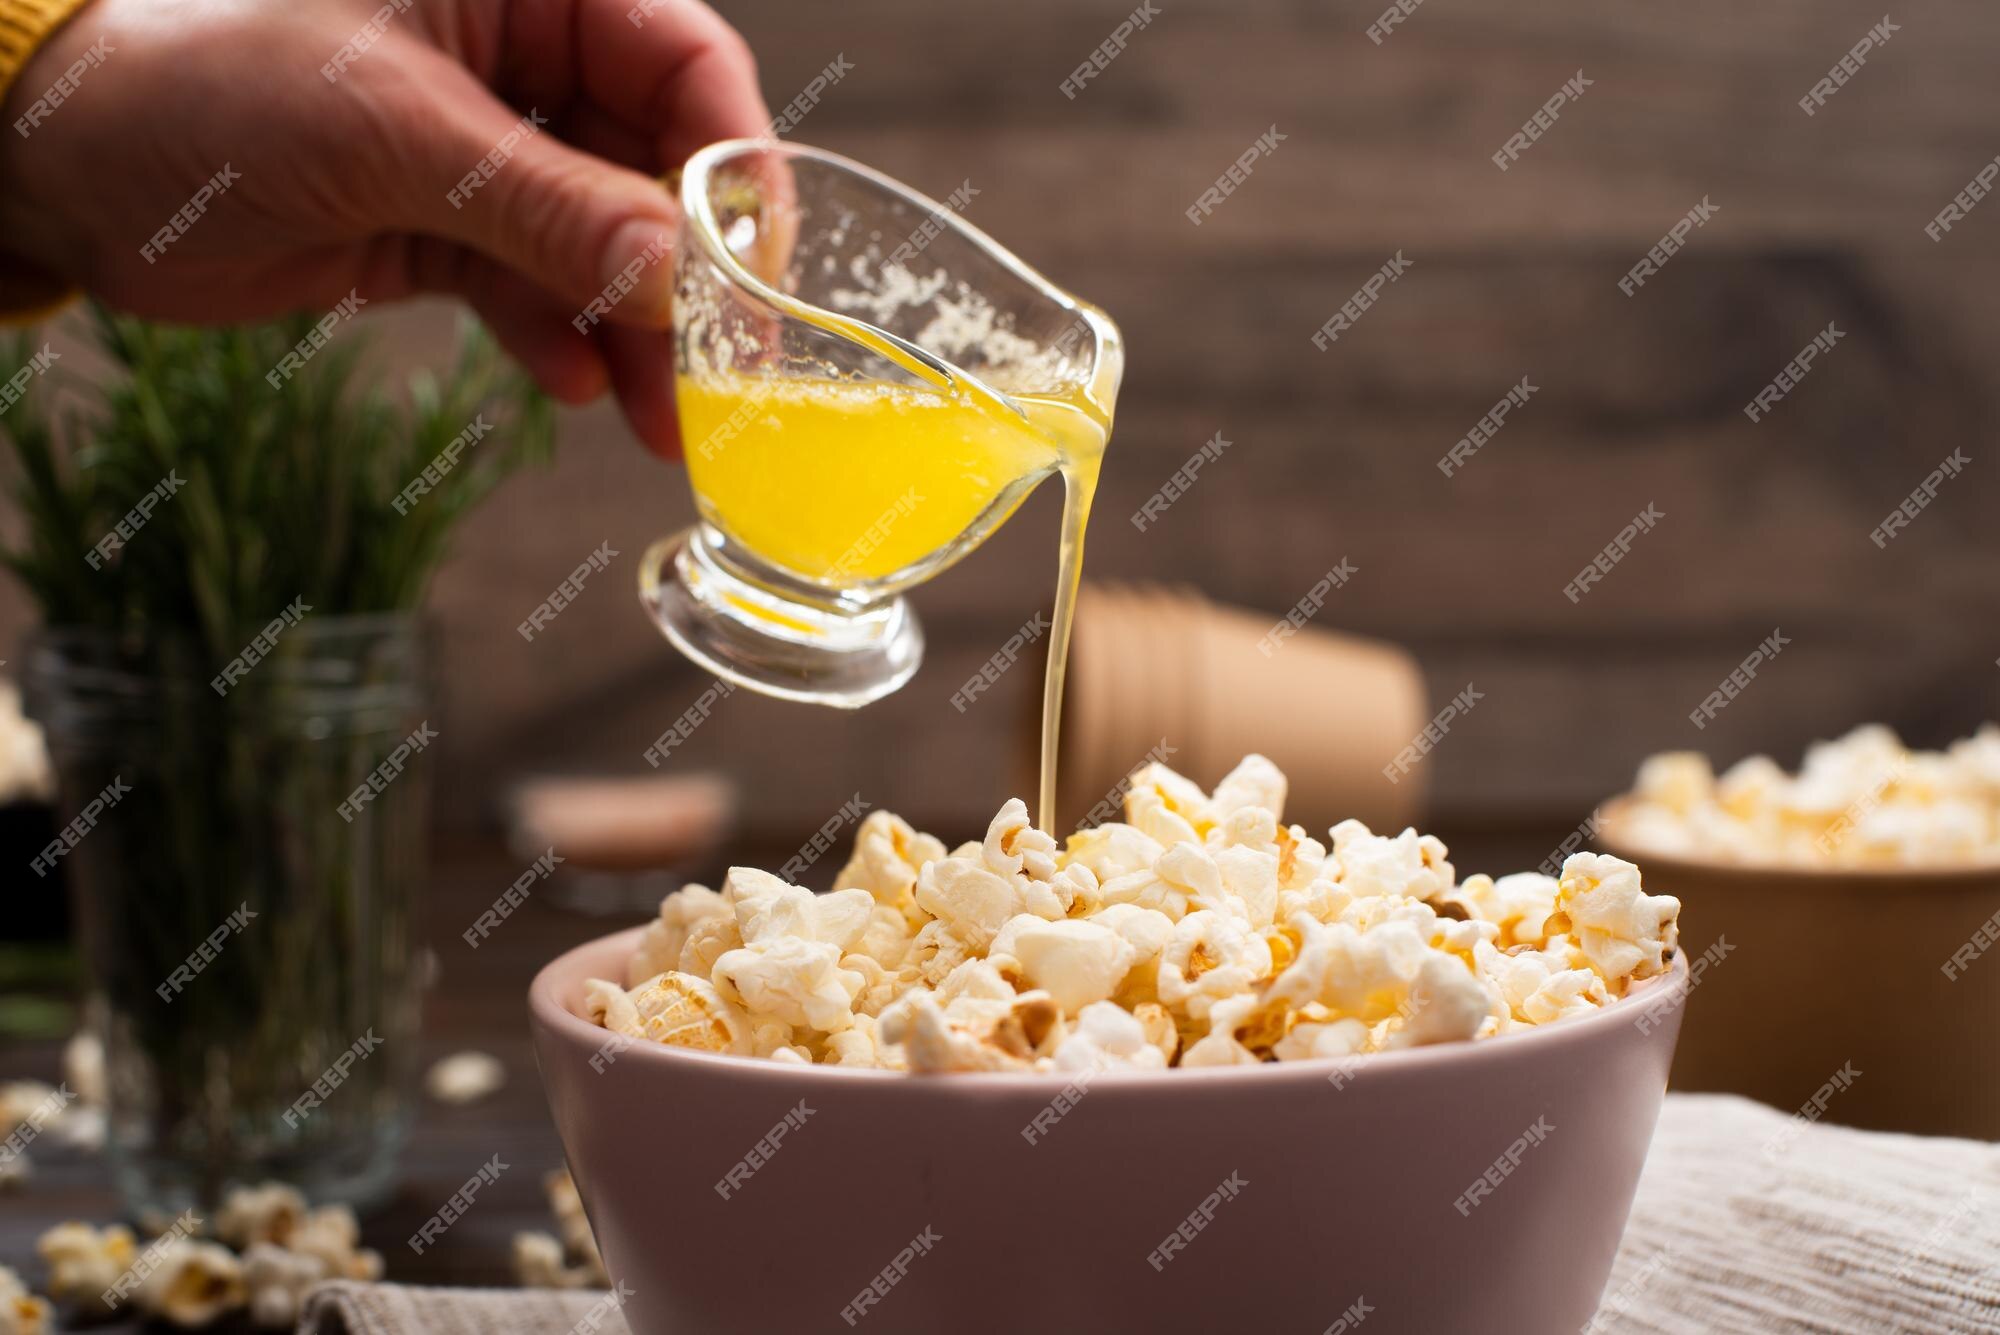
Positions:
(358, 145)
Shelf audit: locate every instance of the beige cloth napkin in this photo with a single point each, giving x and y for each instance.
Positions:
(1746, 1221)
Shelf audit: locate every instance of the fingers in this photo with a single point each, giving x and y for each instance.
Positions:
(537, 332)
(594, 236)
(671, 69)
(641, 364)
(532, 326)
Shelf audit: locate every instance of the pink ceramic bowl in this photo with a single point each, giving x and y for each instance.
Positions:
(1476, 1187)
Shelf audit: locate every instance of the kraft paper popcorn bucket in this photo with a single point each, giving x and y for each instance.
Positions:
(1858, 996)
(1165, 674)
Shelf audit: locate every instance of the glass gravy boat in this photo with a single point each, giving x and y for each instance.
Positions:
(868, 387)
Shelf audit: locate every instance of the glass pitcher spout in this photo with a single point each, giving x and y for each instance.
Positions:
(868, 386)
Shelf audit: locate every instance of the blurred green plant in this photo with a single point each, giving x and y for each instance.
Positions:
(283, 491)
(287, 489)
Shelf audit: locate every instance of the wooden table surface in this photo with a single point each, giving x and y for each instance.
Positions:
(478, 1001)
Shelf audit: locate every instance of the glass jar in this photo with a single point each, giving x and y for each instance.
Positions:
(244, 852)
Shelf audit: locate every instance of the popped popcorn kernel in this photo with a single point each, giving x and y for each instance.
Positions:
(1863, 800)
(1107, 1036)
(277, 1281)
(686, 1012)
(665, 937)
(85, 1262)
(1078, 962)
(538, 1264)
(888, 857)
(268, 1212)
(1200, 931)
(465, 1077)
(21, 1312)
(192, 1283)
(1623, 931)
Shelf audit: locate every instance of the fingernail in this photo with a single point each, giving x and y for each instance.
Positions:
(638, 274)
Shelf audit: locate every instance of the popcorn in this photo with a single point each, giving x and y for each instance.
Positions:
(1211, 957)
(1221, 1045)
(768, 909)
(1447, 1003)
(267, 1213)
(538, 1264)
(1316, 1039)
(1166, 807)
(888, 857)
(1199, 931)
(332, 1236)
(607, 1004)
(787, 968)
(85, 1262)
(25, 772)
(21, 1312)
(1519, 905)
(567, 1205)
(661, 944)
(1014, 872)
(83, 1068)
(1370, 864)
(1677, 780)
(1864, 800)
(934, 1042)
(1364, 975)
(1542, 986)
(1147, 931)
(464, 1077)
(1108, 1036)
(191, 1283)
(1623, 931)
(798, 982)
(1078, 962)
(1255, 784)
(541, 1260)
(862, 1046)
(1113, 850)
(277, 1282)
(687, 1012)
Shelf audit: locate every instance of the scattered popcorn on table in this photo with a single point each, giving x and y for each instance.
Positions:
(191, 1283)
(266, 1213)
(83, 1068)
(1862, 801)
(574, 1225)
(539, 1264)
(25, 772)
(277, 1281)
(465, 1077)
(287, 1248)
(332, 1236)
(21, 1312)
(1202, 931)
(84, 1263)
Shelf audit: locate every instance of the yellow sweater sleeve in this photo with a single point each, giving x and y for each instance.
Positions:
(26, 293)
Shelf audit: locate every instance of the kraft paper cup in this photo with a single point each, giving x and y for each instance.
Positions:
(1813, 974)
(1165, 673)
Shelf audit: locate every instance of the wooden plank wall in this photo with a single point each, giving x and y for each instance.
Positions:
(1387, 150)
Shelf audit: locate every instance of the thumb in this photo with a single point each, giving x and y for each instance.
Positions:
(594, 235)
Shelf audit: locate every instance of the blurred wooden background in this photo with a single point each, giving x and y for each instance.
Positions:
(1387, 148)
